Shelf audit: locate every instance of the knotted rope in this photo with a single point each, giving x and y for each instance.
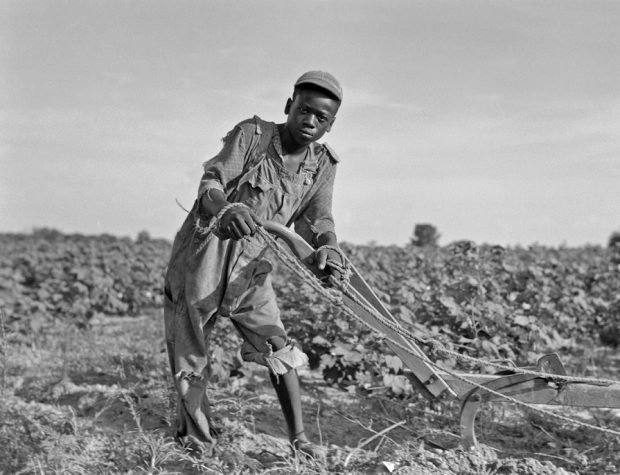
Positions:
(214, 223)
(343, 271)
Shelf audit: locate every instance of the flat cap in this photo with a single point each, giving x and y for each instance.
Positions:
(322, 79)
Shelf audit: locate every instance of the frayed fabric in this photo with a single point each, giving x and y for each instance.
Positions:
(188, 376)
(281, 361)
(286, 359)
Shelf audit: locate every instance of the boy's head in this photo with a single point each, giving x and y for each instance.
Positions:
(312, 109)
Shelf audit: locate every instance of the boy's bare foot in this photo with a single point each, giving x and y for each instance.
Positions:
(302, 445)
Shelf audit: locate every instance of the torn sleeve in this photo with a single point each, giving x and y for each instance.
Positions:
(227, 165)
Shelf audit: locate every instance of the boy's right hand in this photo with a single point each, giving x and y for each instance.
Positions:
(238, 223)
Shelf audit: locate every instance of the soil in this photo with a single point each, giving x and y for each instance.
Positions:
(110, 396)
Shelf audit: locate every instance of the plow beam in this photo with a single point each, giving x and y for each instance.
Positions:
(568, 394)
(530, 389)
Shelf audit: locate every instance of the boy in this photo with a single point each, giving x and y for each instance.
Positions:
(265, 171)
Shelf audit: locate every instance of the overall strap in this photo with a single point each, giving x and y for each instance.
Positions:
(257, 152)
(265, 132)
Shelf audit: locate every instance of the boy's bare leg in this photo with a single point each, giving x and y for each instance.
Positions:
(289, 395)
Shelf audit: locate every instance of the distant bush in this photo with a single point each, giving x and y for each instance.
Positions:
(47, 233)
(425, 235)
(143, 236)
(614, 240)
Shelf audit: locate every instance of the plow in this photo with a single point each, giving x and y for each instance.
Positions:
(546, 383)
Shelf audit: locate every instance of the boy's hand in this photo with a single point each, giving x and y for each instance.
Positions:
(238, 223)
(326, 255)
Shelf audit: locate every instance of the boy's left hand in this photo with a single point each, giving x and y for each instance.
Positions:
(323, 257)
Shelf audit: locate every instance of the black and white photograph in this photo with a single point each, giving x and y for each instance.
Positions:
(310, 237)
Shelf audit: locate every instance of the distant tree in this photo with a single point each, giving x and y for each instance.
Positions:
(143, 236)
(425, 235)
(614, 240)
(49, 234)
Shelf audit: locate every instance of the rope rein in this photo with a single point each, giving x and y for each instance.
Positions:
(344, 271)
(214, 223)
(340, 287)
(335, 297)
(435, 345)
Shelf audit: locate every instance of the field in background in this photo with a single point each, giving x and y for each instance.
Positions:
(85, 384)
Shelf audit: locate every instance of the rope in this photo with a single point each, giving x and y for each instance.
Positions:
(397, 328)
(341, 280)
(301, 271)
(334, 295)
(214, 222)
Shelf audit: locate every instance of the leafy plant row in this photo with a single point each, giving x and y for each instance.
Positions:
(484, 301)
(48, 275)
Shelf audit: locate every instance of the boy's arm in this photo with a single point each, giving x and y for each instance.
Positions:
(316, 224)
(327, 239)
(221, 170)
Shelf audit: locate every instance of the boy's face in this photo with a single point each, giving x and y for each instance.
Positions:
(310, 115)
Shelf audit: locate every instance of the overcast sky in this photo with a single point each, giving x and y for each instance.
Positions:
(495, 121)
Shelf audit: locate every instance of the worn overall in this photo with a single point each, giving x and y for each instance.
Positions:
(208, 277)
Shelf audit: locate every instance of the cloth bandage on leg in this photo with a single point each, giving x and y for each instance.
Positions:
(286, 359)
(281, 361)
